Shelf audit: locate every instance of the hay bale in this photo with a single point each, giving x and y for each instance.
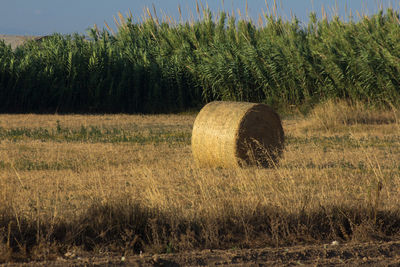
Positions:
(237, 134)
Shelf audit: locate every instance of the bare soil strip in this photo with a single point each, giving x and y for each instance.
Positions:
(365, 254)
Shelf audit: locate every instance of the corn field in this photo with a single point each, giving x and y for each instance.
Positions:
(156, 66)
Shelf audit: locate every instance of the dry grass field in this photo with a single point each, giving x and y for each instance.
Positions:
(128, 183)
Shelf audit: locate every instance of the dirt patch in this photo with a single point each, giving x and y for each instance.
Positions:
(365, 254)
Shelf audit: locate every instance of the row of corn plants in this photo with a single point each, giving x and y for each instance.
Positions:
(156, 65)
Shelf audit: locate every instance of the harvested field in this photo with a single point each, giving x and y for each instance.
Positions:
(82, 189)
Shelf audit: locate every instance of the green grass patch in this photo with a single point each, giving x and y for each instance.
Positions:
(345, 141)
(94, 134)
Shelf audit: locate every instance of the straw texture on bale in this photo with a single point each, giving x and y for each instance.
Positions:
(237, 134)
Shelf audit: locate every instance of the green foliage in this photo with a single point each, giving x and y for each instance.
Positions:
(154, 66)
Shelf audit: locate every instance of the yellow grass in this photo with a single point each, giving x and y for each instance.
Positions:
(54, 181)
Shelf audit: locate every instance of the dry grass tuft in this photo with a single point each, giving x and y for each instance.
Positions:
(336, 114)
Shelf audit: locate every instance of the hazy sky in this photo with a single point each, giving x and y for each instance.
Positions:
(39, 17)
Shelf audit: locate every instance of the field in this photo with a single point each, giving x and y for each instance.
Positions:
(124, 189)
(76, 187)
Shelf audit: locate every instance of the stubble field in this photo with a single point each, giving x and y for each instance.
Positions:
(127, 184)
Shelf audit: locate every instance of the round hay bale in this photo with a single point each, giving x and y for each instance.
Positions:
(237, 134)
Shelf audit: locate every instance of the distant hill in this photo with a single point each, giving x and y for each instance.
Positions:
(16, 40)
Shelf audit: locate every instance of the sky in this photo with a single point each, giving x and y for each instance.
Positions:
(43, 17)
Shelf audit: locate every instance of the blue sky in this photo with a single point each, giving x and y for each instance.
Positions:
(40, 17)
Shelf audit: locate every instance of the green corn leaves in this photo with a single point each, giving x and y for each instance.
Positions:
(154, 66)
